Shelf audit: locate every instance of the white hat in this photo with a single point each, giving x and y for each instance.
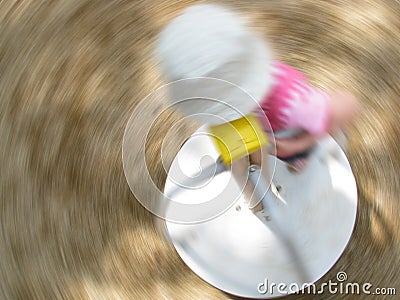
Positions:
(210, 41)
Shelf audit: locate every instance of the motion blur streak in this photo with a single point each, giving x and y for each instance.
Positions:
(70, 74)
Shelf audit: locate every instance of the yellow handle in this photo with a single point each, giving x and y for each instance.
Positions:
(238, 138)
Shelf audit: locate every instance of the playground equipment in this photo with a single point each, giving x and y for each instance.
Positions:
(311, 216)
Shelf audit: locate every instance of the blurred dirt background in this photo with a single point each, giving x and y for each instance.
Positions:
(72, 71)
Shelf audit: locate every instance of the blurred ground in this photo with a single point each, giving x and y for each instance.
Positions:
(71, 72)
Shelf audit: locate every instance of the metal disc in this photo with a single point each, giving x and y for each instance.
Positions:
(236, 252)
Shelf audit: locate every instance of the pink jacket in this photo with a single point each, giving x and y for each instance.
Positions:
(293, 104)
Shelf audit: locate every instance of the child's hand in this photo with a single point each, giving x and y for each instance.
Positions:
(292, 146)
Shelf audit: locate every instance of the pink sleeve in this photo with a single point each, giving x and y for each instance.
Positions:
(294, 104)
(312, 111)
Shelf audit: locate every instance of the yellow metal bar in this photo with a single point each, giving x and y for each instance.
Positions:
(238, 138)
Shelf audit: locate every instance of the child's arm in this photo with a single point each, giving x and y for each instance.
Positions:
(292, 146)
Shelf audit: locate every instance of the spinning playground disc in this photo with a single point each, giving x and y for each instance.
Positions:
(238, 253)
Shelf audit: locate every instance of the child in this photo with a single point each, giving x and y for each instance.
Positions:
(210, 41)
